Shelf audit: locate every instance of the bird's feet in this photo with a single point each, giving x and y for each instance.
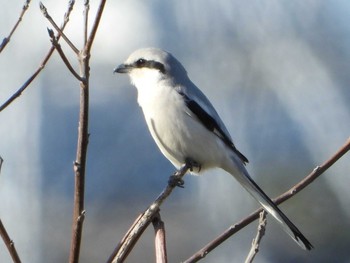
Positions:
(193, 165)
(175, 180)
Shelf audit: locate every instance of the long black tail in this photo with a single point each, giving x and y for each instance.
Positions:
(241, 174)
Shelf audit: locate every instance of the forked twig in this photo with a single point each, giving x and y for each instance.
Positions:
(285, 196)
(83, 137)
(129, 240)
(49, 18)
(58, 47)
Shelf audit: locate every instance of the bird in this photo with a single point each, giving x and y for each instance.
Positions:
(186, 127)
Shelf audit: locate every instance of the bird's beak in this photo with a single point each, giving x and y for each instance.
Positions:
(122, 68)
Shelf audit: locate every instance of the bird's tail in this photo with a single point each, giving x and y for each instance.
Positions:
(238, 170)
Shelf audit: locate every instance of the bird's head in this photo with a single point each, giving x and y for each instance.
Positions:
(151, 64)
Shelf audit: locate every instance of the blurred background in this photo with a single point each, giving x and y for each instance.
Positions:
(277, 73)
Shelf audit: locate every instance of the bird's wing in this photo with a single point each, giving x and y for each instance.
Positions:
(201, 107)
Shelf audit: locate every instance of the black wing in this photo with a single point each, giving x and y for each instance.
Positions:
(211, 124)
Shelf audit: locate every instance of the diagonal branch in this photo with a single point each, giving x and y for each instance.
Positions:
(48, 17)
(6, 238)
(9, 244)
(7, 39)
(319, 170)
(42, 64)
(58, 47)
(129, 240)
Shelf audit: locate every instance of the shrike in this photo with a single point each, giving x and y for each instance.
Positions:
(187, 128)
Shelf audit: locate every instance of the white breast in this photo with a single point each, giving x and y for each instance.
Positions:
(178, 134)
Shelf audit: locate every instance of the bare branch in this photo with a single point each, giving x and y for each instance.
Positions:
(6, 238)
(160, 241)
(48, 17)
(256, 241)
(1, 162)
(83, 139)
(7, 39)
(42, 64)
(79, 183)
(129, 240)
(285, 196)
(26, 84)
(9, 244)
(86, 20)
(95, 26)
(58, 47)
(67, 13)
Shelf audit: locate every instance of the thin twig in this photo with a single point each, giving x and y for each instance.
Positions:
(1, 162)
(285, 196)
(48, 17)
(160, 241)
(82, 145)
(91, 37)
(67, 13)
(86, 20)
(42, 64)
(79, 168)
(58, 47)
(6, 238)
(256, 241)
(27, 83)
(9, 244)
(7, 39)
(129, 240)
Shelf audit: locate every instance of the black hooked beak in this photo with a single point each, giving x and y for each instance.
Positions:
(122, 68)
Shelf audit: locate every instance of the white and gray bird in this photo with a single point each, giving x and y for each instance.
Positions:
(186, 127)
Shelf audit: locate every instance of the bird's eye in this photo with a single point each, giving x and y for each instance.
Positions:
(141, 62)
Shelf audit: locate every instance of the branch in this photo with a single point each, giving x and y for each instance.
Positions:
(48, 17)
(129, 240)
(92, 35)
(1, 162)
(5, 237)
(256, 241)
(80, 163)
(285, 196)
(7, 39)
(42, 64)
(55, 43)
(83, 139)
(86, 19)
(160, 241)
(9, 244)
